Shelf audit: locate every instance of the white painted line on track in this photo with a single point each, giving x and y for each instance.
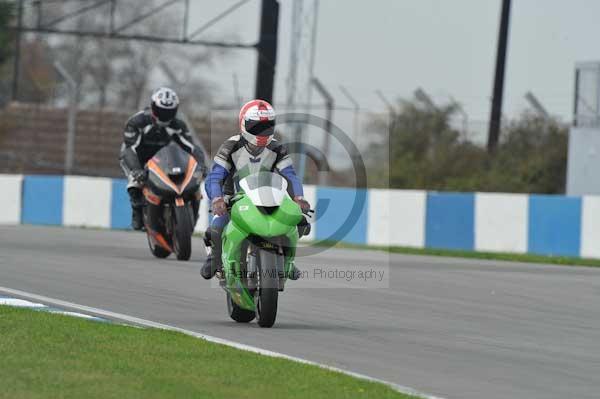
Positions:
(209, 338)
(74, 314)
(20, 303)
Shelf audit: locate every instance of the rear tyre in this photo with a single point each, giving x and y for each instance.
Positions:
(156, 250)
(268, 292)
(237, 313)
(182, 232)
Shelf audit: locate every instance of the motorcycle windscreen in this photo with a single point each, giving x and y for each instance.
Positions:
(265, 188)
(172, 159)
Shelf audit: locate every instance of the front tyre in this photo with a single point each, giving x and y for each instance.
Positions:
(183, 228)
(268, 292)
(237, 313)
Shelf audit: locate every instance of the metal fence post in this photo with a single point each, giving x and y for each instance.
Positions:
(323, 179)
(72, 117)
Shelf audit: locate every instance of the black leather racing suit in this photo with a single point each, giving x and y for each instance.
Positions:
(142, 139)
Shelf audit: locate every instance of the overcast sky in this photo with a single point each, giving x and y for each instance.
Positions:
(446, 47)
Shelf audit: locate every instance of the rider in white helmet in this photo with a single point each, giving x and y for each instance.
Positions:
(145, 133)
(253, 149)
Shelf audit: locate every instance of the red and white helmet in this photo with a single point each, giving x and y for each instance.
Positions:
(257, 122)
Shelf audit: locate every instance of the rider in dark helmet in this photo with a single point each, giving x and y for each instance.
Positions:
(145, 133)
(252, 150)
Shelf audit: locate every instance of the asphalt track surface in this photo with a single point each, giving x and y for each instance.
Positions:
(450, 327)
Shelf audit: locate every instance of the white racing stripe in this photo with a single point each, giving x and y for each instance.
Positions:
(147, 323)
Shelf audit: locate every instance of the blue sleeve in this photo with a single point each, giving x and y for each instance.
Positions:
(214, 181)
(290, 174)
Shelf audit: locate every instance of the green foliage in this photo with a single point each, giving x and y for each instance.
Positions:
(426, 152)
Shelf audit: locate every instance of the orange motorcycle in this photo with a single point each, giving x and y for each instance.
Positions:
(171, 193)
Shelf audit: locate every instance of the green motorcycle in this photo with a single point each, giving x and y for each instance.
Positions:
(259, 245)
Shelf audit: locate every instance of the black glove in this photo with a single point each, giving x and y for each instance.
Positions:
(139, 175)
(303, 227)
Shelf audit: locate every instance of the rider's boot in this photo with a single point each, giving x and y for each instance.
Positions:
(213, 262)
(295, 273)
(137, 208)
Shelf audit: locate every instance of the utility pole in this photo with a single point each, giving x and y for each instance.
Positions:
(17, 60)
(267, 50)
(496, 112)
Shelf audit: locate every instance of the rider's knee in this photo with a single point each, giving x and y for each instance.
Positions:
(132, 183)
(219, 222)
(136, 196)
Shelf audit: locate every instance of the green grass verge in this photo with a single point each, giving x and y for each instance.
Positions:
(44, 355)
(526, 258)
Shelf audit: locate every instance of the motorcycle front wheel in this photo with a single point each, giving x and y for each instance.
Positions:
(183, 228)
(156, 250)
(268, 288)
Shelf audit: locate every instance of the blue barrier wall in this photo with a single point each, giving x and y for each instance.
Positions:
(120, 209)
(554, 225)
(342, 214)
(42, 200)
(450, 221)
(544, 224)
